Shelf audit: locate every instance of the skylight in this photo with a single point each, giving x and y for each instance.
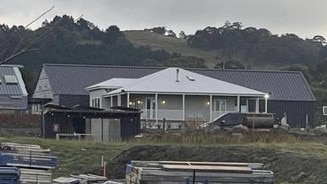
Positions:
(11, 79)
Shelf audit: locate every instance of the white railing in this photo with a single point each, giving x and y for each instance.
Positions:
(173, 114)
(76, 136)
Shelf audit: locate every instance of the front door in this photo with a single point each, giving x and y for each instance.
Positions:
(150, 108)
(219, 107)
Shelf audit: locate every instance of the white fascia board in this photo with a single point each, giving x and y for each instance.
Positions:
(93, 88)
(20, 81)
(183, 93)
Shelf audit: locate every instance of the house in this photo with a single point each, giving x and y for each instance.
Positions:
(177, 95)
(288, 91)
(13, 94)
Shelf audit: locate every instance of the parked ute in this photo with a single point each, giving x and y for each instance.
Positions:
(250, 120)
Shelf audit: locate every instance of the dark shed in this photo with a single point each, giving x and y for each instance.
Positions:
(289, 92)
(77, 120)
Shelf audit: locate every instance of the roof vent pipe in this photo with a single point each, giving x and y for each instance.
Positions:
(177, 73)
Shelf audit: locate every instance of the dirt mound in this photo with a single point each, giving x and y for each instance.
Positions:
(287, 166)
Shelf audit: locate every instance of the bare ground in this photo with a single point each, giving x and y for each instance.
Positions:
(289, 167)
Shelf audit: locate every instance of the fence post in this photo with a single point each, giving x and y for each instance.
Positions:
(164, 125)
(194, 176)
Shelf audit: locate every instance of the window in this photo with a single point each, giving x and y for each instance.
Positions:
(220, 105)
(95, 102)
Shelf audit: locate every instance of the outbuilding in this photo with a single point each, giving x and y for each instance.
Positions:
(81, 122)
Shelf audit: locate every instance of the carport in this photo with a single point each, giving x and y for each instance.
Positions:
(116, 123)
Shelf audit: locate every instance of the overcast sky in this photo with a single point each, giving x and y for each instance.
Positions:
(305, 18)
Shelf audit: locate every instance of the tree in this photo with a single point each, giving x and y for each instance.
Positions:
(171, 33)
(182, 35)
(306, 70)
(159, 30)
(319, 39)
(112, 33)
(234, 64)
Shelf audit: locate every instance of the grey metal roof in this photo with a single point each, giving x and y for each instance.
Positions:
(282, 85)
(187, 82)
(13, 88)
(73, 79)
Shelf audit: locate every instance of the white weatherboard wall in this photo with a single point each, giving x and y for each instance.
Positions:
(97, 94)
(170, 107)
(43, 88)
(196, 108)
(172, 102)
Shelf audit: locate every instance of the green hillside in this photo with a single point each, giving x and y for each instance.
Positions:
(170, 44)
(212, 57)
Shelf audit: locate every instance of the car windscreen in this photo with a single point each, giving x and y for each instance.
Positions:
(230, 119)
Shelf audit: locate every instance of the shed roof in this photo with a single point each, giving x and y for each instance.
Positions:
(91, 112)
(16, 85)
(282, 85)
(71, 79)
(176, 80)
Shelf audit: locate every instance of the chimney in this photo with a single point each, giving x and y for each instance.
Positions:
(177, 73)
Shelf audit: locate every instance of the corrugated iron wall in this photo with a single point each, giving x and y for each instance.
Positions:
(130, 126)
(296, 112)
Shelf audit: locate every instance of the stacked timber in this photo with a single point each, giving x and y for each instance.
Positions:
(35, 176)
(173, 172)
(35, 164)
(81, 178)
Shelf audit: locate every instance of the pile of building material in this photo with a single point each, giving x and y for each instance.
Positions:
(35, 164)
(173, 172)
(81, 178)
(9, 175)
